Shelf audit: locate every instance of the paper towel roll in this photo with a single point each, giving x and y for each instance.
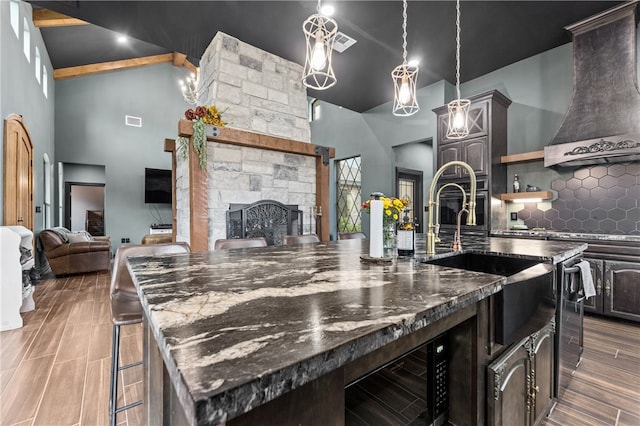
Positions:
(375, 228)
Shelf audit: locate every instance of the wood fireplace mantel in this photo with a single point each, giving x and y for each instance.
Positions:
(198, 182)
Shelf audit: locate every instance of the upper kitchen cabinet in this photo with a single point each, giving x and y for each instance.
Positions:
(485, 144)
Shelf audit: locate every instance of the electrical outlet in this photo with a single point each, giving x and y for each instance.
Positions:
(514, 216)
(126, 240)
(123, 240)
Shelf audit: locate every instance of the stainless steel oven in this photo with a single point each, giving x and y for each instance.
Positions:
(451, 203)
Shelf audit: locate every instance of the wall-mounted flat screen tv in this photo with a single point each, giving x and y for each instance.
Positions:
(157, 186)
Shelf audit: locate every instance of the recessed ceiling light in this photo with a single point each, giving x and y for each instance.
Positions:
(122, 39)
(327, 10)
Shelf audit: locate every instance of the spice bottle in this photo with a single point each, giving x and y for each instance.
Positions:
(516, 183)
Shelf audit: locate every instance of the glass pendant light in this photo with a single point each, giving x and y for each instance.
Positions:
(458, 126)
(319, 31)
(404, 78)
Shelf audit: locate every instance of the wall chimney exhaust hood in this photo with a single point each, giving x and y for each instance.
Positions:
(602, 124)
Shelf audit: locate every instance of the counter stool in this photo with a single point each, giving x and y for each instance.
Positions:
(126, 308)
(351, 236)
(236, 243)
(300, 239)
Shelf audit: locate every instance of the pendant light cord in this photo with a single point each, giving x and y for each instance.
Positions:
(404, 32)
(458, 48)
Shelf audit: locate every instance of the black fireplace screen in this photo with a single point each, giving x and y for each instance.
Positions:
(267, 218)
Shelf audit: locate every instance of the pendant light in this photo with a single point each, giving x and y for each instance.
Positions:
(319, 31)
(189, 88)
(458, 126)
(404, 78)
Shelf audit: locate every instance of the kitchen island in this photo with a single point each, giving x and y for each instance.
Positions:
(280, 331)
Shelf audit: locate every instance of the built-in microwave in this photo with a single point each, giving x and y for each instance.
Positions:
(451, 201)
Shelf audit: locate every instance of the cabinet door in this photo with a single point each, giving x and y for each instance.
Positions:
(508, 387)
(475, 152)
(446, 153)
(594, 304)
(622, 290)
(542, 348)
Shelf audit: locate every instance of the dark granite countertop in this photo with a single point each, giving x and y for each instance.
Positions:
(550, 234)
(238, 328)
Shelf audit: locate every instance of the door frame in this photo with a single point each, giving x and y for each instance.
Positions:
(67, 199)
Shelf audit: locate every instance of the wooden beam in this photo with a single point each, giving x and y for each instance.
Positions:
(180, 60)
(69, 72)
(44, 18)
(523, 157)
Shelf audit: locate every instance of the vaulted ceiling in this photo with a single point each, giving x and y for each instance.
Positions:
(494, 34)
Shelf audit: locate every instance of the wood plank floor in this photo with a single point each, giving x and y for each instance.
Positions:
(55, 370)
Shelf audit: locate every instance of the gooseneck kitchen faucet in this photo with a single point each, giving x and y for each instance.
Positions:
(434, 203)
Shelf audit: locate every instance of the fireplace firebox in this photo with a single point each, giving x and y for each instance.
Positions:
(266, 218)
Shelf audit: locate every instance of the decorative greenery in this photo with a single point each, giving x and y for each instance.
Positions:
(206, 114)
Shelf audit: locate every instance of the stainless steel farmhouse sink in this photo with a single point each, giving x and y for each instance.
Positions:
(527, 301)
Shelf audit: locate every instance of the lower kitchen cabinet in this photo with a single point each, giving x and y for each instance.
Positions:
(617, 286)
(520, 381)
(622, 290)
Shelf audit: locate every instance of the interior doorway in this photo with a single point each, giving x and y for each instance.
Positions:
(409, 185)
(84, 207)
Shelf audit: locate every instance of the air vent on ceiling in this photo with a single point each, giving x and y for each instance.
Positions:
(132, 121)
(343, 42)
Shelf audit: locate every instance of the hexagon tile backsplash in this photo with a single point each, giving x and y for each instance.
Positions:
(598, 199)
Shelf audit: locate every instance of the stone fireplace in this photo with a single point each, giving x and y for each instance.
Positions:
(263, 153)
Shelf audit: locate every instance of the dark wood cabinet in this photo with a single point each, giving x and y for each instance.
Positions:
(481, 149)
(520, 381)
(617, 286)
(621, 293)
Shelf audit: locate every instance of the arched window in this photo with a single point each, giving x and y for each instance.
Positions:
(38, 65)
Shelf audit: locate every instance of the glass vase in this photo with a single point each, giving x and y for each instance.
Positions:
(389, 237)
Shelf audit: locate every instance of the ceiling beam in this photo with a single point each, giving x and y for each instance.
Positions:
(48, 18)
(180, 60)
(69, 72)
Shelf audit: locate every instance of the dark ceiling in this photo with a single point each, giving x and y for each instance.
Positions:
(494, 34)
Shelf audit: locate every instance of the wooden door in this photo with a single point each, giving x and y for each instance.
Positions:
(447, 153)
(18, 173)
(508, 387)
(475, 152)
(622, 290)
(543, 383)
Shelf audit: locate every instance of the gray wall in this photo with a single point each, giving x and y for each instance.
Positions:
(373, 134)
(21, 94)
(90, 129)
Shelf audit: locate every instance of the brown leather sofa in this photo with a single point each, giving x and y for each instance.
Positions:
(67, 255)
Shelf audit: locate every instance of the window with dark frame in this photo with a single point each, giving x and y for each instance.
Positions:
(349, 194)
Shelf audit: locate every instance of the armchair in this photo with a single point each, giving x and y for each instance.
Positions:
(75, 252)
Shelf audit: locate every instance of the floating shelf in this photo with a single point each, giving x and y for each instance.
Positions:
(545, 195)
(523, 157)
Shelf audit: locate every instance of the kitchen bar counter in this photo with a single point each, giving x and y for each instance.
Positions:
(238, 328)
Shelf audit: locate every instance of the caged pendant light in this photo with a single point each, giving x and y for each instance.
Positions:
(319, 32)
(404, 78)
(458, 126)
